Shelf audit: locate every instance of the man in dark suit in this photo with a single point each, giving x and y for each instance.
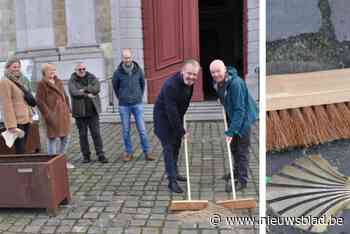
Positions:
(169, 111)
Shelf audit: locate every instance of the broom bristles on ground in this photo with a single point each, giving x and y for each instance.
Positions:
(307, 126)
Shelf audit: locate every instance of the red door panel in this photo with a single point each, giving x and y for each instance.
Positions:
(170, 37)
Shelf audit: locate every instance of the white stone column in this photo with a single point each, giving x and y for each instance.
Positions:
(80, 20)
(34, 25)
(82, 45)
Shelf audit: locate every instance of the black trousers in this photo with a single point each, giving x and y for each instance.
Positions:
(92, 123)
(20, 143)
(240, 152)
(171, 156)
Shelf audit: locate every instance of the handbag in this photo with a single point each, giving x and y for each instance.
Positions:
(28, 96)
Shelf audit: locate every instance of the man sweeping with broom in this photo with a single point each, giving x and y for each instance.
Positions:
(169, 111)
(241, 111)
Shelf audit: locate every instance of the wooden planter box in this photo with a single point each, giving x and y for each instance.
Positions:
(32, 144)
(33, 181)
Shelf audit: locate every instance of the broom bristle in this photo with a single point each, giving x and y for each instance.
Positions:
(269, 129)
(314, 134)
(277, 133)
(344, 111)
(301, 129)
(323, 124)
(307, 126)
(338, 124)
(288, 128)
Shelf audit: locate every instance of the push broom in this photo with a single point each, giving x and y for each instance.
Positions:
(188, 204)
(306, 109)
(309, 187)
(243, 203)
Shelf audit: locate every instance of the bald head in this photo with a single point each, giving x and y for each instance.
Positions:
(127, 56)
(218, 70)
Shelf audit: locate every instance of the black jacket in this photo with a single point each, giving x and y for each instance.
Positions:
(170, 108)
(80, 100)
(129, 89)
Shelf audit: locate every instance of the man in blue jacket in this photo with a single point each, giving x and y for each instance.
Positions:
(129, 85)
(241, 111)
(169, 111)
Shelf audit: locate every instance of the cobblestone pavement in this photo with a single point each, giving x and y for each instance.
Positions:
(133, 197)
(336, 153)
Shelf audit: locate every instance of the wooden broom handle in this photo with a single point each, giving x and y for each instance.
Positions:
(187, 163)
(229, 158)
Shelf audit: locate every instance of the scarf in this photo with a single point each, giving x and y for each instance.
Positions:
(128, 69)
(22, 80)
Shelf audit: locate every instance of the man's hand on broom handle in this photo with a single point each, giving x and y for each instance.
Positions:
(228, 139)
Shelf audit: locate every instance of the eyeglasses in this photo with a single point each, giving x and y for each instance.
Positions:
(81, 69)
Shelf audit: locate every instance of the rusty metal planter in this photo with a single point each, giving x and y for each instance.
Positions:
(33, 181)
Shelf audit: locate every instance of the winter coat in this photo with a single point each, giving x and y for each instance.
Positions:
(129, 88)
(53, 104)
(239, 104)
(15, 109)
(170, 108)
(80, 98)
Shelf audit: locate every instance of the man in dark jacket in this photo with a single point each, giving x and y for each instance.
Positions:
(241, 111)
(129, 85)
(169, 111)
(84, 90)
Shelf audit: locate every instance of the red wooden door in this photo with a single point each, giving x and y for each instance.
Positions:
(171, 35)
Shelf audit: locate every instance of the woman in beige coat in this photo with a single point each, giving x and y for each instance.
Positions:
(15, 110)
(53, 104)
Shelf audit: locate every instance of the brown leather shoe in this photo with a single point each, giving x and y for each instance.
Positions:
(127, 157)
(150, 157)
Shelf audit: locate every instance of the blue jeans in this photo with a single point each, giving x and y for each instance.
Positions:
(52, 145)
(125, 114)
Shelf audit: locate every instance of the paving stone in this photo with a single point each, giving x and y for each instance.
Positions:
(189, 231)
(91, 215)
(155, 223)
(115, 231)
(32, 229)
(80, 229)
(16, 228)
(48, 229)
(63, 229)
